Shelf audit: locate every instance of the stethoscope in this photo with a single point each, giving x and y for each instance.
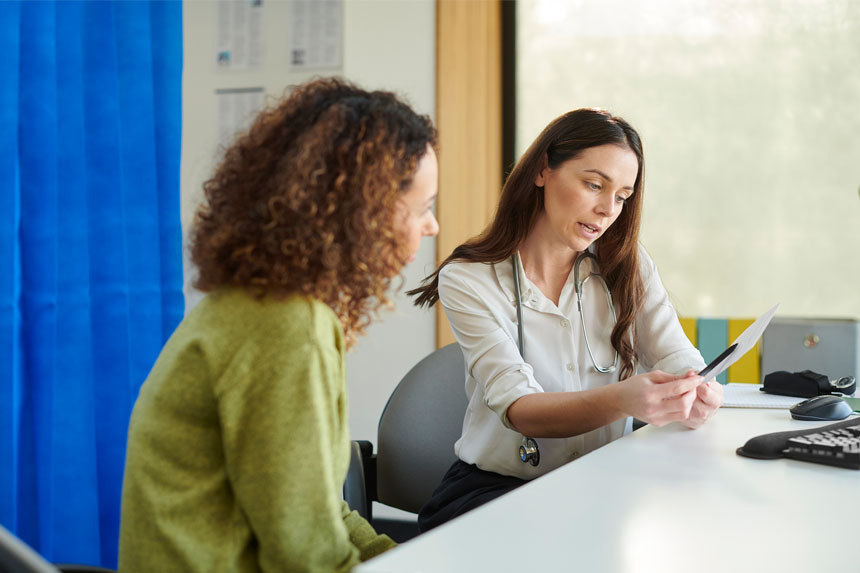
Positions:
(529, 451)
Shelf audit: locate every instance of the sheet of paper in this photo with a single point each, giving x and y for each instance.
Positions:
(237, 108)
(239, 35)
(744, 342)
(317, 34)
(750, 396)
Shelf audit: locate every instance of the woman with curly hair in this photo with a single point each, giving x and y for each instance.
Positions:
(238, 443)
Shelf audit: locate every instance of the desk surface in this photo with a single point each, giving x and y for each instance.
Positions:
(659, 500)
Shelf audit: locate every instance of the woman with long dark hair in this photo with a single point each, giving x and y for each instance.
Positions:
(239, 443)
(551, 355)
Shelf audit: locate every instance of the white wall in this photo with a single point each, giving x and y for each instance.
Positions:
(388, 44)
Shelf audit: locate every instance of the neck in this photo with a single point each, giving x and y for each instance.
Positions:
(546, 262)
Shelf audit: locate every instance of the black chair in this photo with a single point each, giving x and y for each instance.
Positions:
(415, 442)
(18, 557)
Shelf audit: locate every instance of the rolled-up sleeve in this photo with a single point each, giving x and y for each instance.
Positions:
(476, 311)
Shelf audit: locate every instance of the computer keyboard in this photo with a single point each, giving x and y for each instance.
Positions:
(836, 447)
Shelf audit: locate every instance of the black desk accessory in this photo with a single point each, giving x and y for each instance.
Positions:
(806, 384)
(786, 444)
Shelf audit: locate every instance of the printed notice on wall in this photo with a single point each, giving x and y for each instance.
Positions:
(240, 35)
(236, 110)
(317, 34)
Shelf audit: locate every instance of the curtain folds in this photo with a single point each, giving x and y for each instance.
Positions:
(90, 241)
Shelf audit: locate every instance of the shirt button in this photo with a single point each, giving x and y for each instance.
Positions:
(569, 366)
(565, 323)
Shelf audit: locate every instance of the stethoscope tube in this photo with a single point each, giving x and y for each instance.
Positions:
(577, 285)
(520, 330)
(529, 451)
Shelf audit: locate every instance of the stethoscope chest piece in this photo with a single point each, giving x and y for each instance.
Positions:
(529, 452)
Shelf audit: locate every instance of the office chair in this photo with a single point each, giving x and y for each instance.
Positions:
(17, 557)
(415, 442)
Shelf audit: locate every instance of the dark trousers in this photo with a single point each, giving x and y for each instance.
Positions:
(463, 488)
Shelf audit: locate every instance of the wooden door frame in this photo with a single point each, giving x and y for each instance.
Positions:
(469, 120)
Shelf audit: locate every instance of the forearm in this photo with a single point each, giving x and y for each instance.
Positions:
(565, 414)
(654, 397)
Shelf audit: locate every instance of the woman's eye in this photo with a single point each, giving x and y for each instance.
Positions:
(594, 186)
(620, 199)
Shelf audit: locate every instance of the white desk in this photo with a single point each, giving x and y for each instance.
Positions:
(660, 500)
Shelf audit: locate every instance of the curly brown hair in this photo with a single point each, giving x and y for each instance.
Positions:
(305, 201)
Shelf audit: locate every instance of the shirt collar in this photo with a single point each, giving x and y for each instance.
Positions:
(505, 275)
(530, 294)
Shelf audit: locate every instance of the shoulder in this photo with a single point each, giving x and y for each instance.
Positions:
(644, 256)
(466, 271)
(281, 346)
(296, 319)
(471, 285)
(304, 319)
(467, 277)
(647, 266)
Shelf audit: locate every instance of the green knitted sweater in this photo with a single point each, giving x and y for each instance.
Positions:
(238, 445)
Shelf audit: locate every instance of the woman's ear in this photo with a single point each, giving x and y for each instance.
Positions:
(540, 179)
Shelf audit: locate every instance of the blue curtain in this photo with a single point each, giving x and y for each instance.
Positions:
(90, 255)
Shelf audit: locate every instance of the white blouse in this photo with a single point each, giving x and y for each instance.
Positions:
(481, 307)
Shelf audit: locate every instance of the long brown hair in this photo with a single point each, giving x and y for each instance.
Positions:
(522, 202)
(305, 201)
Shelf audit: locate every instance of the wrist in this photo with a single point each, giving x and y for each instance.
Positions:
(617, 400)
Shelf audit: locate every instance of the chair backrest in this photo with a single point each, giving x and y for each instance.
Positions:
(17, 556)
(418, 428)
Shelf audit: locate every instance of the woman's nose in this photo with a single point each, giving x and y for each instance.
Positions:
(607, 205)
(432, 227)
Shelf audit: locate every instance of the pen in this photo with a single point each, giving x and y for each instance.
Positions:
(716, 361)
